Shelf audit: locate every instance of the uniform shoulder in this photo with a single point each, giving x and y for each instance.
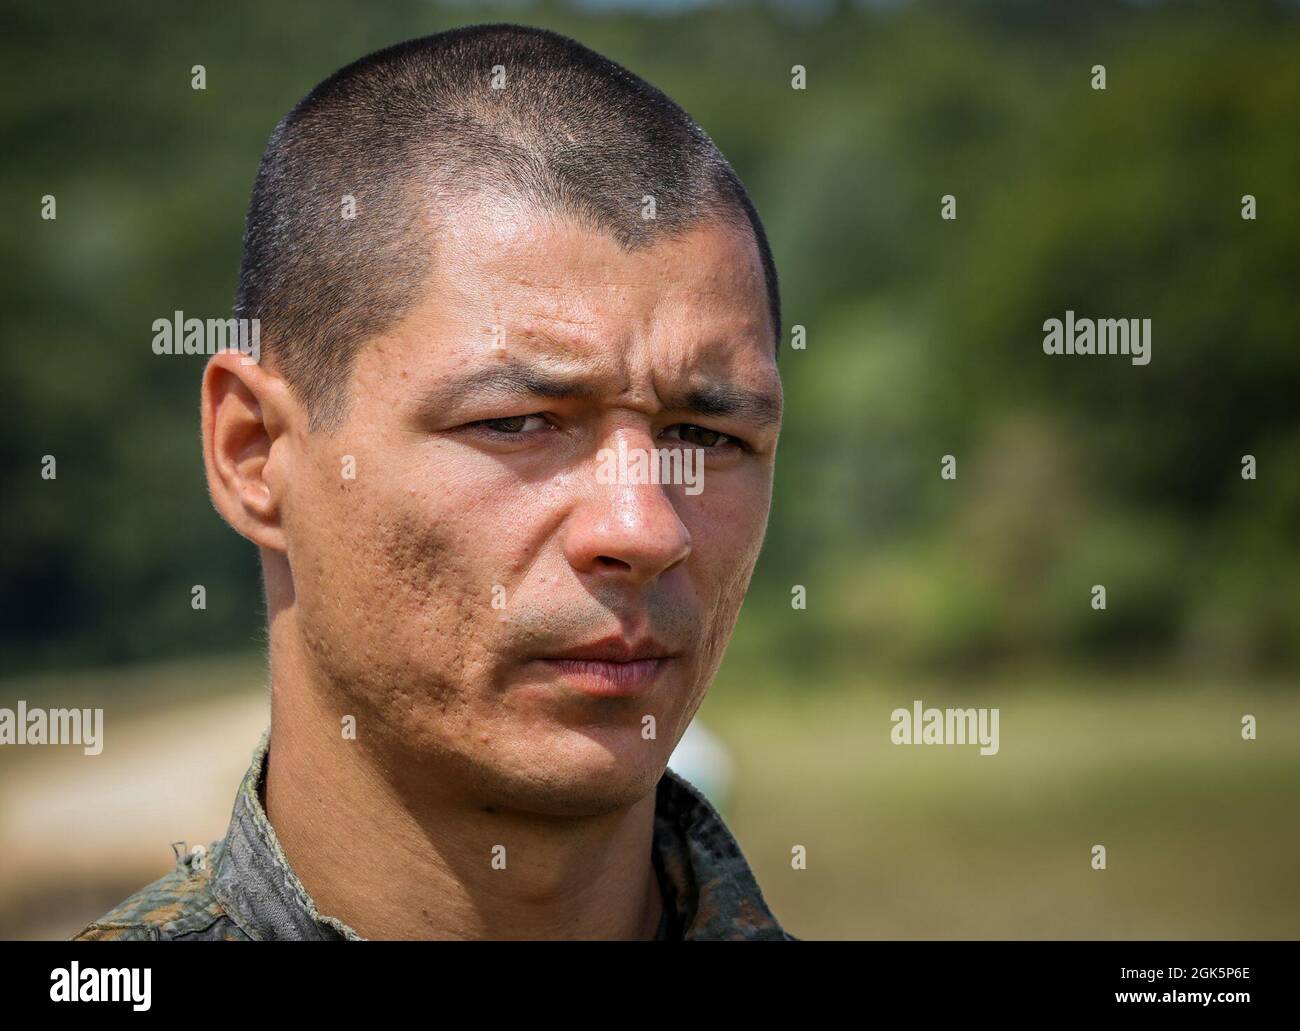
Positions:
(180, 905)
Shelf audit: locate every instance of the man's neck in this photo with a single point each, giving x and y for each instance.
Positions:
(393, 863)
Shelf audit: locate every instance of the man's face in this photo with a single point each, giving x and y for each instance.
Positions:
(490, 609)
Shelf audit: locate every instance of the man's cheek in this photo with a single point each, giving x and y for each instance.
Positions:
(728, 540)
(433, 570)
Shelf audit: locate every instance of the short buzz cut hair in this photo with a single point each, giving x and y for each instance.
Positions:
(411, 130)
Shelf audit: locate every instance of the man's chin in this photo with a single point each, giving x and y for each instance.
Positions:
(588, 774)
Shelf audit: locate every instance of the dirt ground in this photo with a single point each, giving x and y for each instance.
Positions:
(78, 833)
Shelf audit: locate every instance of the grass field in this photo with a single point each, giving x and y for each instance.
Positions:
(1202, 829)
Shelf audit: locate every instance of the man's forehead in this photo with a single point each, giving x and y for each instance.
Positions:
(549, 268)
(566, 298)
(545, 308)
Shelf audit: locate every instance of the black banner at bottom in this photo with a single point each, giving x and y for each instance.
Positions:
(1234, 981)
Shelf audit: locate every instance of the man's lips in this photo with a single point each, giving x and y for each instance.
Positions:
(609, 679)
(615, 648)
(614, 667)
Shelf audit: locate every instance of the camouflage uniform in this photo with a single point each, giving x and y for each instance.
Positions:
(242, 888)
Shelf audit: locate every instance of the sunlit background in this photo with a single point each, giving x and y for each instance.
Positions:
(1119, 727)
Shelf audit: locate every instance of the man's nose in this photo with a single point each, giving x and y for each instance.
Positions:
(626, 531)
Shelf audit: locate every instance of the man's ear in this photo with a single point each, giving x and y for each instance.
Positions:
(250, 420)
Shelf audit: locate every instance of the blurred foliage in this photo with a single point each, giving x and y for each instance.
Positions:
(924, 335)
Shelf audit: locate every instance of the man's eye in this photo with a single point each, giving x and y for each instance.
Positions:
(512, 424)
(700, 436)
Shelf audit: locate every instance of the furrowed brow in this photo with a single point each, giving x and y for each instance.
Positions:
(514, 380)
(519, 380)
(722, 400)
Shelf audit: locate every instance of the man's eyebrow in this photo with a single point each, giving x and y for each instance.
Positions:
(720, 399)
(514, 379)
(520, 380)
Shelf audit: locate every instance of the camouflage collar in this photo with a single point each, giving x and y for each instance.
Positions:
(709, 891)
(704, 873)
(253, 879)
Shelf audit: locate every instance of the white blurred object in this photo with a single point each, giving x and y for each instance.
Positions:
(704, 761)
